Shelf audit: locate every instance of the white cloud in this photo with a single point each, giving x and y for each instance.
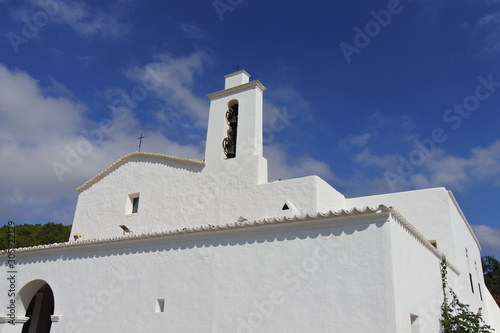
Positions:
(285, 97)
(379, 119)
(489, 25)
(487, 235)
(367, 158)
(443, 170)
(85, 20)
(355, 140)
(190, 30)
(38, 130)
(435, 170)
(484, 32)
(361, 184)
(282, 167)
(33, 125)
(27, 111)
(483, 164)
(175, 85)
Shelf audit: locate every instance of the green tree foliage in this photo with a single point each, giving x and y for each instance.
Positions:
(35, 234)
(491, 270)
(455, 315)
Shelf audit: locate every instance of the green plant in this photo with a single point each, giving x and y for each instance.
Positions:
(491, 269)
(456, 317)
(35, 234)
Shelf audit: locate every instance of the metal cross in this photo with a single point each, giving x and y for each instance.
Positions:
(237, 67)
(140, 141)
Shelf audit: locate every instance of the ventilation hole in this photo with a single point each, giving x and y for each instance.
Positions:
(285, 207)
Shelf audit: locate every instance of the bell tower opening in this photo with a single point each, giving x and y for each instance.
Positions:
(229, 143)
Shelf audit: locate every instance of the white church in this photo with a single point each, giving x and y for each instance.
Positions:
(169, 244)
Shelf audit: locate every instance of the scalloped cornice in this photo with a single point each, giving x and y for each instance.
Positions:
(253, 224)
(125, 158)
(213, 228)
(408, 226)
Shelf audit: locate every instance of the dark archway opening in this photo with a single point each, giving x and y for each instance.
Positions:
(39, 311)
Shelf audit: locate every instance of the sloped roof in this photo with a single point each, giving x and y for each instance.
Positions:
(125, 158)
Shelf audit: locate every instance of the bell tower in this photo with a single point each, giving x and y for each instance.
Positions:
(234, 135)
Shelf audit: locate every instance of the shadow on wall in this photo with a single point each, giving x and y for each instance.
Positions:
(259, 235)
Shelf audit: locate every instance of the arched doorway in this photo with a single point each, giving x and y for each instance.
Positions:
(40, 307)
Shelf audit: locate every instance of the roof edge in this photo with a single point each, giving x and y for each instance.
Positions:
(251, 84)
(123, 159)
(408, 226)
(251, 224)
(213, 228)
(467, 224)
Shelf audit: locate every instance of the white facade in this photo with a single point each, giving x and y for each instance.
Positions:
(211, 246)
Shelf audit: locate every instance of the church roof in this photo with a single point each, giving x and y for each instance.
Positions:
(252, 224)
(125, 158)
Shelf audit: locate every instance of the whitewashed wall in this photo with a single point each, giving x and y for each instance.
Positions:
(179, 195)
(417, 282)
(330, 276)
(428, 210)
(176, 194)
(354, 273)
(434, 213)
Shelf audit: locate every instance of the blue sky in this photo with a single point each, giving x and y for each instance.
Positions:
(373, 96)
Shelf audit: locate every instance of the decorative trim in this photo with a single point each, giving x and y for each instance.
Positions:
(408, 226)
(18, 320)
(252, 224)
(455, 202)
(232, 90)
(236, 73)
(210, 228)
(21, 320)
(125, 158)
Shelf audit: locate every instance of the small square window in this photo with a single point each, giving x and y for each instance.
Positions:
(132, 205)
